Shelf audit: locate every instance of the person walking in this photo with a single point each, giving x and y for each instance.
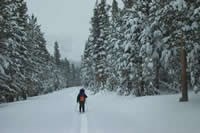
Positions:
(81, 99)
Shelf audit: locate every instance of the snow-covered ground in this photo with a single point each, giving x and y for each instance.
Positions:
(106, 113)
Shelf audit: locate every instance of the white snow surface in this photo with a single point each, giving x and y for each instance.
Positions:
(106, 112)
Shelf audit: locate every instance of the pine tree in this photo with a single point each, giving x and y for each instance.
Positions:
(115, 10)
(73, 71)
(193, 44)
(14, 36)
(128, 3)
(100, 45)
(111, 70)
(56, 53)
(5, 27)
(65, 70)
(87, 70)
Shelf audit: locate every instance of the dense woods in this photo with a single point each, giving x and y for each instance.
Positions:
(26, 67)
(148, 47)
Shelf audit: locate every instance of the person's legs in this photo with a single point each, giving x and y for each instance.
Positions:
(83, 107)
(79, 107)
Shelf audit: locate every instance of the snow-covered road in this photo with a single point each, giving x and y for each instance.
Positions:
(105, 113)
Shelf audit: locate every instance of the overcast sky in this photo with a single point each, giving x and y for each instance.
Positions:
(65, 21)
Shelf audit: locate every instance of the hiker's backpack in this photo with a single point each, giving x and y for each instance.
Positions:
(82, 98)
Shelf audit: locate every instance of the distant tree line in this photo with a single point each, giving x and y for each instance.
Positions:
(26, 67)
(143, 48)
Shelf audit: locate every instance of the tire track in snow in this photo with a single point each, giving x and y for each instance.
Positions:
(84, 124)
(75, 124)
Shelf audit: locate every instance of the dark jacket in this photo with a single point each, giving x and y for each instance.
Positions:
(81, 93)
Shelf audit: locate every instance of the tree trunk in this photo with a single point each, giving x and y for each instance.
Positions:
(157, 74)
(141, 82)
(184, 88)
